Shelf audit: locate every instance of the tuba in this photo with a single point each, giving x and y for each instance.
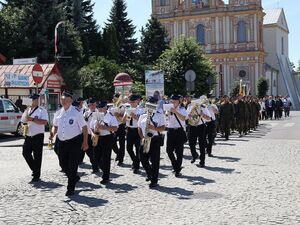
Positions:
(99, 117)
(28, 103)
(195, 116)
(150, 109)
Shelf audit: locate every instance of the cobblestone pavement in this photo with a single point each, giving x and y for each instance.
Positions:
(251, 180)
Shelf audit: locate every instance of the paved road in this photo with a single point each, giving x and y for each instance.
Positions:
(251, 180)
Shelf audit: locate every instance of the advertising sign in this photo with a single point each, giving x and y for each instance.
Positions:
(16, 80)
(154, 82)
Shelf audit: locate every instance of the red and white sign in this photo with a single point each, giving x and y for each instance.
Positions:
(37, 73)
(53, 84)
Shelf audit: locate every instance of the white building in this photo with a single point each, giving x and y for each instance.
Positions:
(279, 72)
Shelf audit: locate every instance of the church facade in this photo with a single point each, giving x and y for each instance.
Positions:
(231, 34)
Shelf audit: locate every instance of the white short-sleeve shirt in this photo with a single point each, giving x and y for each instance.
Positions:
(139, 111)
(204, 111)
(211, 109)
(109, 121)
(158, 119)
(172, 121)
(34, 128)
(88, 117)
(69, 123)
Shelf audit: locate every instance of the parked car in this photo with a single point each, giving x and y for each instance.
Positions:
(10, 117)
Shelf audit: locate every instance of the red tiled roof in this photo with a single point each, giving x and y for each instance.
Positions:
(27, 70)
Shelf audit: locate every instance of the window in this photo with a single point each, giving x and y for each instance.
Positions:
(282, 46)
(9, 107)
(242, 73)
(201, 34)
(1, 107)
(242, 32)
(163, 2)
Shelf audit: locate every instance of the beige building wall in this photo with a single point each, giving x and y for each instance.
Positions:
(234, 60)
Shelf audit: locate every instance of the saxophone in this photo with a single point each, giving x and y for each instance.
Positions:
(148, 133)
(99, 118)
(27, 102)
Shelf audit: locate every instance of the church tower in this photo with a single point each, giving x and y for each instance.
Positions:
(231, 35)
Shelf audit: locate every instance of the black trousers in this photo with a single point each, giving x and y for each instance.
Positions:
(103, 155)
(120, 136)
(153, 156)
(226, 125)
(198, 134)
(210, 135)
(270, 113)
(133, 139)
(69, 156)
(91, 154)
(175, 142)
(33, 152)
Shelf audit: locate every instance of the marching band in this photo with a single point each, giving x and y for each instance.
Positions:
(139, 127)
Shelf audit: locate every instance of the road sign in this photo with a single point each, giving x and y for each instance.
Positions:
(37, 73)
(190, 75)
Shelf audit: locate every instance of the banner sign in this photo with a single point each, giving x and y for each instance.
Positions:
(154, 80)
(16, 80)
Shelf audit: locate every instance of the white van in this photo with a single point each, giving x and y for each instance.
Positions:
(10, 117)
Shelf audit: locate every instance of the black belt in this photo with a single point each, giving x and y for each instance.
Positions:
(173, 129)
(132, 128)
(72, 139)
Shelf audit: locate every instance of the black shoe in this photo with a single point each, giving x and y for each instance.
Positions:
(210, 155)
(193, 160)
(201, 165)
(95, 171)
(153, 185)
(35, 179)
(178, 174)
(148, 179)
(70, 192)
(120, 163)
(77, 179)
(104, 181)
(136, 171)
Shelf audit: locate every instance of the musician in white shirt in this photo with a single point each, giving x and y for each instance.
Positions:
(154, 124)
(103, 149)
(88, 116)
(133, 138)
(72, 132)
(197, 132)
(36, 117)
(176, 136)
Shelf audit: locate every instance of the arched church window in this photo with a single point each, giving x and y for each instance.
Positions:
(201, 34)
(242, 32)
(163, 2)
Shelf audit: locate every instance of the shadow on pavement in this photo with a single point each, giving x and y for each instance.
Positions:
(198, 180)
(227, 159)
(166, 167)
(219, 169)
(174, 191)
(88, 201)
(226, 143)
(46, 185)
(84, 184)
(120, 188)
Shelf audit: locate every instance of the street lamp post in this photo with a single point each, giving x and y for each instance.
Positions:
(56, 38)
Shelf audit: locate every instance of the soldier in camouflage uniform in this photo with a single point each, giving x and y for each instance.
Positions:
(226, 116)
(240, 107)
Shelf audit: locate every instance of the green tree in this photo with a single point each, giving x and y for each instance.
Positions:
(185, 54)
(111, 47)
(97, 78)
(125, 31)
(262, 87)
(154, 41)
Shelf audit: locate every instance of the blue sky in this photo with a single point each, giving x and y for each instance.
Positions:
(139, 12)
